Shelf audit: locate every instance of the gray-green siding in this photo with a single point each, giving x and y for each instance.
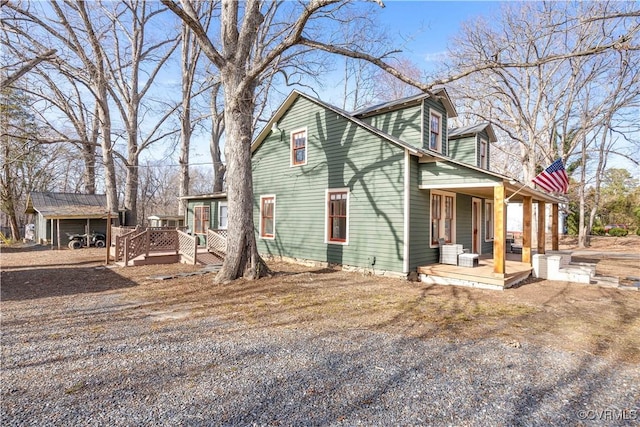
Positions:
(444, 173)
(464, 149)
(213, 214)
(420, 223)
(404, 124)
(340, 154)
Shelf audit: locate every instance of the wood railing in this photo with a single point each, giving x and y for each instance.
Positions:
(187, 246)
(163, 239)
(130, 243)
(119, 236)
(135, 246)
(217, 242)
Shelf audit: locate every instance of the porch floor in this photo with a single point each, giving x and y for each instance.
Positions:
(481, 276)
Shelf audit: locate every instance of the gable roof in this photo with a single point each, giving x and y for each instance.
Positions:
(67, 205)
(439, 93)
(295, 94)
(460, 132)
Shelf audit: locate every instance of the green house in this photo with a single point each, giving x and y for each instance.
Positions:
(379, 189)
(205, 212)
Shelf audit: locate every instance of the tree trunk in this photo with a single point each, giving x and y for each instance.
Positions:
(217, 128)
(88, 153)
(242, 257)
(107, 153)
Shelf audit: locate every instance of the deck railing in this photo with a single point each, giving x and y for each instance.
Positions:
(187, 246)
(163, 239)
(217, 242)
(135, 246)
(119, 236)
(130, 243)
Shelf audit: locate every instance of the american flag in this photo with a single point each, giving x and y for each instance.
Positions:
(554, 178)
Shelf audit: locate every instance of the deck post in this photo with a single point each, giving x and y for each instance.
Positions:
(500, 220)
(527, 215)
(554, 227)
(542, 213)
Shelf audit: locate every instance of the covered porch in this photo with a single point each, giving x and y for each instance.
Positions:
(497, 267)
(482, 276)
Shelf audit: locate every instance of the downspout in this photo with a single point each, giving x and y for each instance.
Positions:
(407, 210)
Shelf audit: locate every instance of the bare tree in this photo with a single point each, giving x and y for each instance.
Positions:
(137, 60)
(24, 66)
(77, 35)
(242, 62)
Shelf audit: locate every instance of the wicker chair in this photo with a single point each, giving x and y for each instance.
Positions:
(449, 253)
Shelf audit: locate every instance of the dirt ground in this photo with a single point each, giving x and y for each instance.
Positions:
(580, 318)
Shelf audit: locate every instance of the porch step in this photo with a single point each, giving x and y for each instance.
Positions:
(606, 281)
(157, 259)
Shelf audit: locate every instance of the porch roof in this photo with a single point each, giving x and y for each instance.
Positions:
(447, 175)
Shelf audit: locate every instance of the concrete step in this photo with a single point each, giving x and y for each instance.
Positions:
(606, 281)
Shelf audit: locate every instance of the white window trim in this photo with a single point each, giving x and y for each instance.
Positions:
(220, 205)
(486, 154)
(487, 204)
(455, 216)
(306, 149)
(440, 134)
(260, 236)
(326, 215)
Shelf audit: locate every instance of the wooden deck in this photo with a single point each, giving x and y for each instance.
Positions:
(204, 257)
(481, 276)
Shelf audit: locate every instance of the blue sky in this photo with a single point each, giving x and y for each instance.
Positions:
(432, 23)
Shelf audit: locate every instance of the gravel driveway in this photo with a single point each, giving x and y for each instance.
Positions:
(98, 359)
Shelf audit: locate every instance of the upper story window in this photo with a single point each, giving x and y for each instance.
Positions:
(267, 217)
(299, 147)
(337, 216)
(201, 219)
(435, 131)
(483, 154)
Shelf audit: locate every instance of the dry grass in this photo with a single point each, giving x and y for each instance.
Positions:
(581, 318)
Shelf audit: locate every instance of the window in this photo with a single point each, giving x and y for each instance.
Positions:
(267, 217)
(299, 148)
(200, 219)
(435, 136)
(337, 216)
(483, 154)
(223, 215)
(488, 220)
(443, 219)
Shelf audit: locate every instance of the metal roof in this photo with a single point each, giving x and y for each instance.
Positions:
(437, 92)
(473, 130)
(68, 205)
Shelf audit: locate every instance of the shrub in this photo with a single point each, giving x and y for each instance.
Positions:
(597, 230)
(618, 232)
